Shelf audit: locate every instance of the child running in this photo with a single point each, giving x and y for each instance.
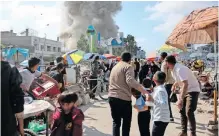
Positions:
(144, 115)
(67, 120)
(160, 112)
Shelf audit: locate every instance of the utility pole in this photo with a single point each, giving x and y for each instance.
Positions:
(44, 48)
(44, 45)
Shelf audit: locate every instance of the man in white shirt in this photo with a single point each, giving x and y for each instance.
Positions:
(189, 92)
(169, 81)
(30, 73)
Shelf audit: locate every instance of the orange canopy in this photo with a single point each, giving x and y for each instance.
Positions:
(152, 56)
(199, 27)
(109, 56)
(118, 58)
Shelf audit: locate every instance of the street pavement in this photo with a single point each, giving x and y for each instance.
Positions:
(98, 121)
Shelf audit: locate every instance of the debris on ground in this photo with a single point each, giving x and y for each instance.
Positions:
(210, 111)
(199, 110)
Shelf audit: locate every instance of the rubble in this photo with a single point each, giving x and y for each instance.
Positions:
(199, 110)
(210, 111)
(212, 122)
(86, 99)
(212, 128)
(83, 98)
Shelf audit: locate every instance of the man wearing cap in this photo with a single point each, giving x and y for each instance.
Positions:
(169, 80)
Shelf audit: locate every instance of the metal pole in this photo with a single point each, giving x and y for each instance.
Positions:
(47, 123)
(110, 49)
(1, 53)
(215, 72)
(44, 48)
(91, 42)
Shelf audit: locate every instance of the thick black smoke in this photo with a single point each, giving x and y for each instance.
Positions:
(80, 14)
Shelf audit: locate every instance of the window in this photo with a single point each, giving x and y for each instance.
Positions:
(42, 48)
(36, 46)
(59, 49)
(54, 49)
(48, 48)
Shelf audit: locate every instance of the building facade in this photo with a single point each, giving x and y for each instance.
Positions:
(141, 54)
(37, 46)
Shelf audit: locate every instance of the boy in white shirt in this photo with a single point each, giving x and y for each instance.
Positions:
(160, 110)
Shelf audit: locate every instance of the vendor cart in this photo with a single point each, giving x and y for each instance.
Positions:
(33, 108)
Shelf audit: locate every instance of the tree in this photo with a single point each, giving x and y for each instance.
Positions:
(83, 44)
(131, 44)
(101, 50)
(118, 51)
(129, 41)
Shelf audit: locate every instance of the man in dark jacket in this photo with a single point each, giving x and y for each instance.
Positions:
(12, 97)
(137, 68)
(154, 68)
(143, 72)
(95, 69)
(61, 60)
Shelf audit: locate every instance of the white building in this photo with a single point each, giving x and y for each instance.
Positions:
(141, 54)
(37, 46)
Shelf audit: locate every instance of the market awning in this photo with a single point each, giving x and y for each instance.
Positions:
(199, 27)
(74, 56)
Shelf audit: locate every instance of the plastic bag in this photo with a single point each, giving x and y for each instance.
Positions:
(37, 126)
(140, 103)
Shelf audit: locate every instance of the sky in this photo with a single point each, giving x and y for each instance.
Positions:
(150, 22)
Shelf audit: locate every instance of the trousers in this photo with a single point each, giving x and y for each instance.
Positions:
(121, 111)
(187, 113)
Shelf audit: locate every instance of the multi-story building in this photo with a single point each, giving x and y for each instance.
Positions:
(141, 54)
(37, 46)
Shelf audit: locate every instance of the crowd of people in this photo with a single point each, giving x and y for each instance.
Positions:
(17, 84)
(156, 84)
(148, 81)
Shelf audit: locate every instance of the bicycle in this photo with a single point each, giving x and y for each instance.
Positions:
(101, 87)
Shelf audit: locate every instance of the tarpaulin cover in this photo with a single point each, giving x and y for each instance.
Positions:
(9, 52)
(140, 103)
(36, 107)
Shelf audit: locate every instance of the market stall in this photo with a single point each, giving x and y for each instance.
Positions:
(13, 53)
(152, 56)
(109, 56)
(169, 49)
(90, 56)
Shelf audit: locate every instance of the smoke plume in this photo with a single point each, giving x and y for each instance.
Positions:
(78, 15)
